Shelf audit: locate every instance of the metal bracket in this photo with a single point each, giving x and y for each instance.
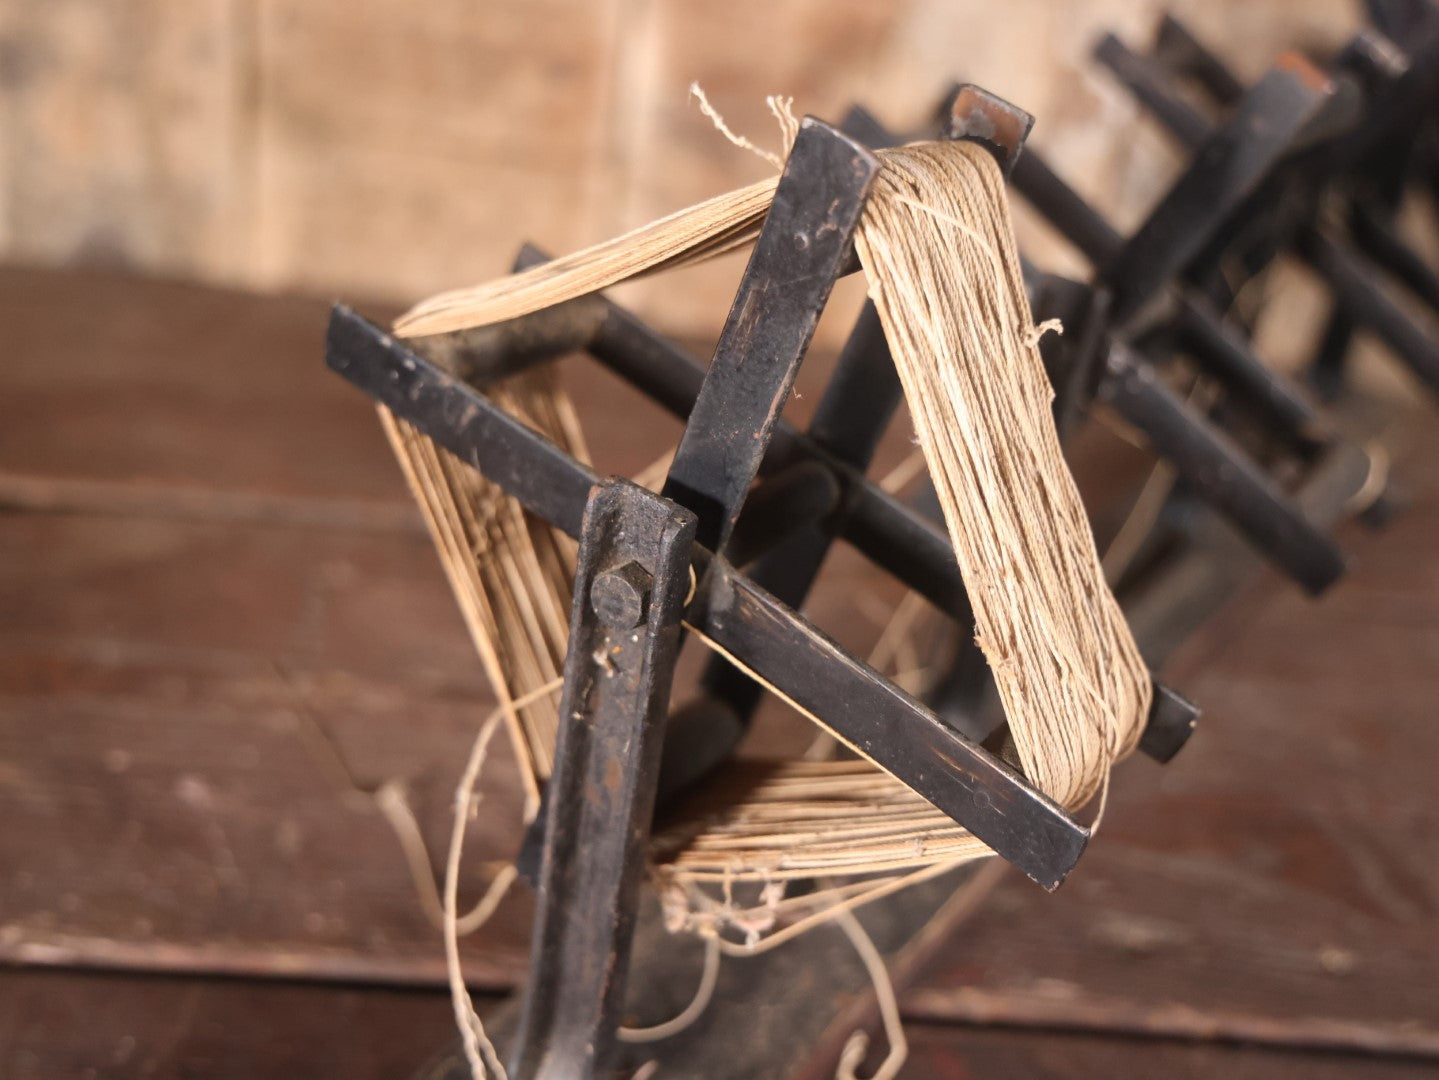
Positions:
(1228, 167)
(1220, 472)
(802, 246)
(1397, 90)
(630, 586)
(1216, 468)
(985, 118)
(865, 710)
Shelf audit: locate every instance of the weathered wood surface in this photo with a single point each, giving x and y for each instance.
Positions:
(58, 1025)
(73, 1024)
(941, 1052)
(167, 384)
(1277, 882)
(173, 649)
(183, 694)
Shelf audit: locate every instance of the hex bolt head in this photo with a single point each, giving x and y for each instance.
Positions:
(621, 596)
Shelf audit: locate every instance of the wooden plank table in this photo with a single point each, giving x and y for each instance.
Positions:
(208, 557)
(224, 628)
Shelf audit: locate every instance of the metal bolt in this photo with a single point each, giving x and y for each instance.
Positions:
(621, 596)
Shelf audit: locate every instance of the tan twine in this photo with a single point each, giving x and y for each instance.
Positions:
(938, 250)
(510, 573)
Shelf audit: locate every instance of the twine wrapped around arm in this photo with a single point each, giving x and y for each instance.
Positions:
(937, 246)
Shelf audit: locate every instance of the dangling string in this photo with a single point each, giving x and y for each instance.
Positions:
(857, 1045)
(479, 1051)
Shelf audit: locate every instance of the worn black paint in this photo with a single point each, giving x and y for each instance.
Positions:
(957, 775)
(601, 793)
(804, 243)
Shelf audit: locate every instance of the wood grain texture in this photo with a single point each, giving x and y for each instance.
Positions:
(380, 148)
(63, 1024)
(190, 690)
(950, 1053)
(168, 696)
(59, 1024)
(1279, 876)
(202, 632)
(451, 118)
(124, 134)
(170, 802)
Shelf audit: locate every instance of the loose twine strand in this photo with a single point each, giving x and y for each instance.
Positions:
(937, 247)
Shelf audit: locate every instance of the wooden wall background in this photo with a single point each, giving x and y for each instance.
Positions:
(390, 148)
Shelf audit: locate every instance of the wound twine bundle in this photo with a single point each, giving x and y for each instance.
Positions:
(511, 574)
(937, 247)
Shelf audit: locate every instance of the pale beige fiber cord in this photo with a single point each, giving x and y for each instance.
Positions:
(699, 232)
(510, 572)
(703, 231)
(937, 246)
